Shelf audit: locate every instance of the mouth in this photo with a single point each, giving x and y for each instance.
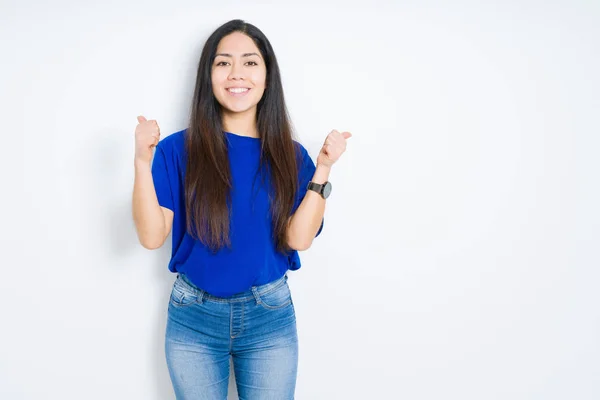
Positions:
(238, 91)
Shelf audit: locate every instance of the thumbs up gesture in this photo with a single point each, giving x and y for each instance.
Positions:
(147, 135)
(334, 146)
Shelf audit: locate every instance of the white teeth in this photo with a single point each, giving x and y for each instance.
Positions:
(238, 90)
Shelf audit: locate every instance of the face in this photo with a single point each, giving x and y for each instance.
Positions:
(238, 74)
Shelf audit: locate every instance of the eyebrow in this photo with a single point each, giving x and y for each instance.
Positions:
(243, 55)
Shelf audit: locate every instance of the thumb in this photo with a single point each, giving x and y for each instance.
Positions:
(141, 119)
(346, 135)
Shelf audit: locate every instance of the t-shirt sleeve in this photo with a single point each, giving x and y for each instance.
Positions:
(306, 172)
(160, 175)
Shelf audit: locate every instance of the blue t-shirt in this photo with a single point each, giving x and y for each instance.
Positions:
(252, 259)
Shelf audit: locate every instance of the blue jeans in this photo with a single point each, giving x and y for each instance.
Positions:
(257, 328)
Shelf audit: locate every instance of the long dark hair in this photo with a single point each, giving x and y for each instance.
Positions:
(208, 176)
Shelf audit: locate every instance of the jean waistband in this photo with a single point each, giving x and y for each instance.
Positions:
(239, 297)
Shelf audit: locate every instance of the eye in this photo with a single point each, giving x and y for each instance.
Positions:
(220, 63)
(253, 63)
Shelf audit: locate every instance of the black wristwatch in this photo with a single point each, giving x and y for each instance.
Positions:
(323, 189)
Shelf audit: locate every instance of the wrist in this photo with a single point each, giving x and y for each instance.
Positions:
(141, 164)
(323, 167)
(321, 174)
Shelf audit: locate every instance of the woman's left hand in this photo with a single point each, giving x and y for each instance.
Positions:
(333, 148)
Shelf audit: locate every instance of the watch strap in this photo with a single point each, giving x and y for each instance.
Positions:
(317, 187)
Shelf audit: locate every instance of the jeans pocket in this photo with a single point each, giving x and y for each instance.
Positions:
(277, 298)
(183, 294)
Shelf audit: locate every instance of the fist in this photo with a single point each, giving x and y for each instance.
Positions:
(147, 135)
(333, 148)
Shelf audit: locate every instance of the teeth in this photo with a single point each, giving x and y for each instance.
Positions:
(238, 90)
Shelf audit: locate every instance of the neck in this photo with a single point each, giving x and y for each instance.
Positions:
(243, 124)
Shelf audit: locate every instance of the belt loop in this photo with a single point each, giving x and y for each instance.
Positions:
(200, 296)
(256, 295)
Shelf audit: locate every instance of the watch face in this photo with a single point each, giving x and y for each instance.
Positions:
(326, 190)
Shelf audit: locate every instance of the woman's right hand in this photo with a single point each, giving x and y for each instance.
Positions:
(147, 135)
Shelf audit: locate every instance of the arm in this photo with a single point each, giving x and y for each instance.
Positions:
(306, 221)
(152, 222)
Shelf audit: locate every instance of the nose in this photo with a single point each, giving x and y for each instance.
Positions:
(237, 72)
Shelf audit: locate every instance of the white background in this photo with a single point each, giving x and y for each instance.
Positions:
(460, 254)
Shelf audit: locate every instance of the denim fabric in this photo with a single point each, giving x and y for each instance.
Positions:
(257, 328)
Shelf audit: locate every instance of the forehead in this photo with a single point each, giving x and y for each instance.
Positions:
(236, 44)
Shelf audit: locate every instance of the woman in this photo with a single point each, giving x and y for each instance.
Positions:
(241, 197)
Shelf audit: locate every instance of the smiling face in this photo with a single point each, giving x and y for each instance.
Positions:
(238, 74)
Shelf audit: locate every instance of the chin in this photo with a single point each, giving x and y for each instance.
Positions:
(238, 109)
